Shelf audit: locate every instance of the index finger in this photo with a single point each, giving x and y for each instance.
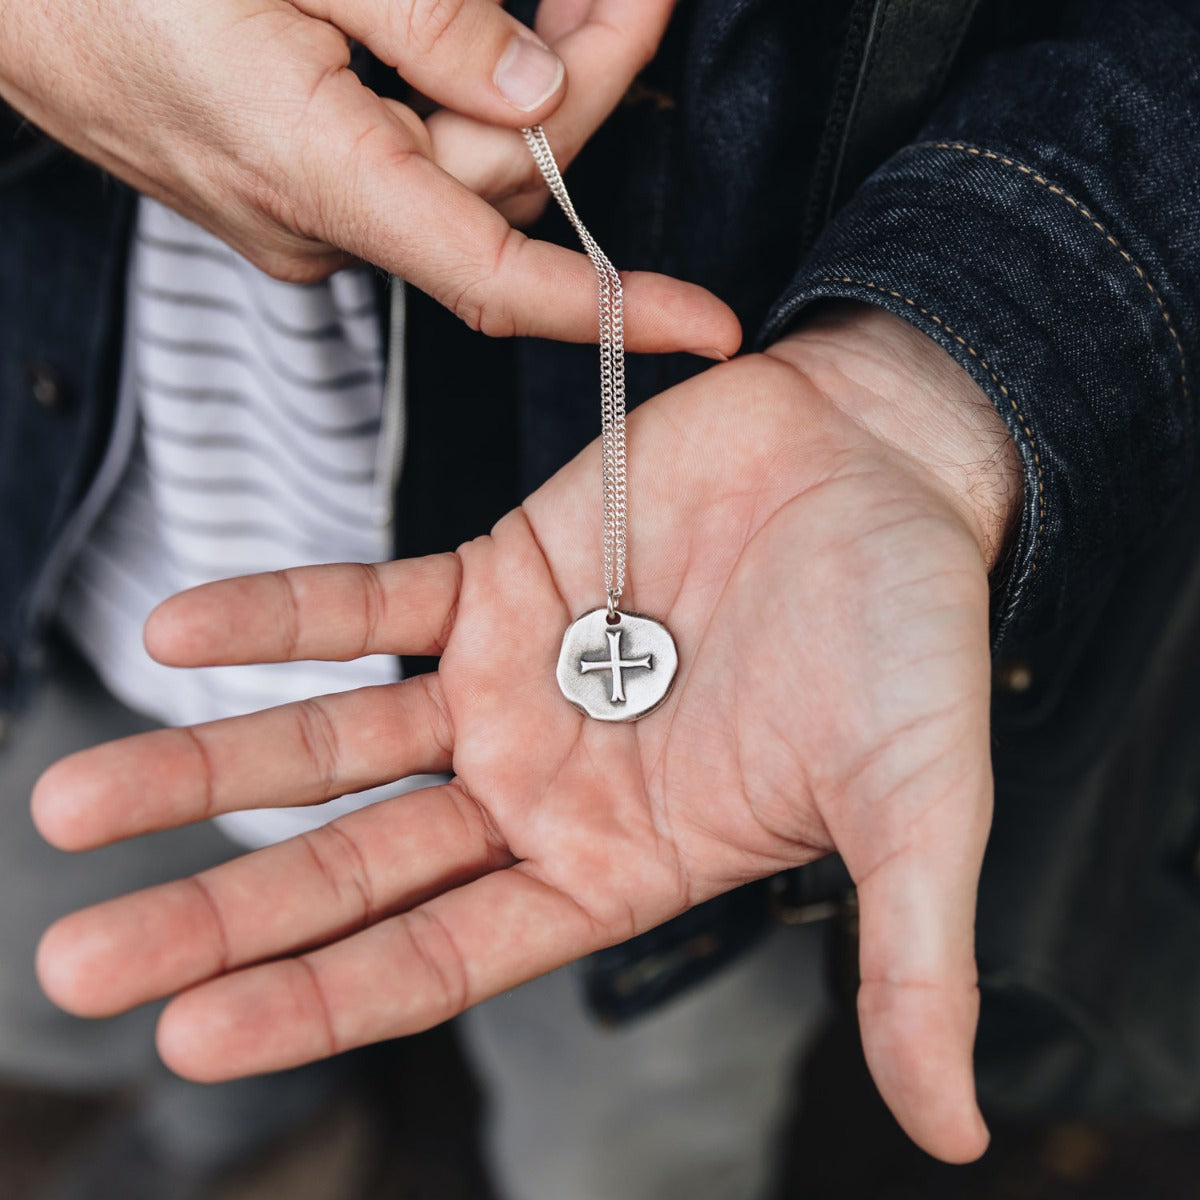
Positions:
(332, 612)
(375, 194)
(918, 1000)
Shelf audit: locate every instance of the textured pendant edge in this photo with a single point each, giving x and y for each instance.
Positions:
(612, 715)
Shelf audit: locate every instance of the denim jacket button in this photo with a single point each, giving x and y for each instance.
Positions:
(44, 385)
(1014, 677)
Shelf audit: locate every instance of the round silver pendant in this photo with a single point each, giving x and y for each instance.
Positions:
(619, 671)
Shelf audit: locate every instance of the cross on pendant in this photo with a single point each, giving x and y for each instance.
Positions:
(615, 663)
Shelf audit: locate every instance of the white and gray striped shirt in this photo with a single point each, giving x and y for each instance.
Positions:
(259, 408)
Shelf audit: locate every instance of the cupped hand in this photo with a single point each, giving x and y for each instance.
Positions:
(828, 594)
(245, 116)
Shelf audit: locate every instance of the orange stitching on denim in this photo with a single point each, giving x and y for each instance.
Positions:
(1033, 446)
(1096, 224)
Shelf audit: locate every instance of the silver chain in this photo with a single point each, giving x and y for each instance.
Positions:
(612, 375)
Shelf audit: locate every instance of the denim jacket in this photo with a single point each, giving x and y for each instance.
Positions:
(1018, 179)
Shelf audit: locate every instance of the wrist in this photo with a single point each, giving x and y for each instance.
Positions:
(906, 391)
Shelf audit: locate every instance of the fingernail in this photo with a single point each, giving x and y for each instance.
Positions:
(717, 355)
(528, 74)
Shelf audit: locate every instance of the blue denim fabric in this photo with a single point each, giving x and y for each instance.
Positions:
(1045, 229)
(63, 231)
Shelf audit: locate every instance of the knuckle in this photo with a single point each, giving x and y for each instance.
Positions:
(480, 303)
(288, 614)
(341, 864)
(265, 189)
(428, 22)
(217, 924)
(468, 306)
(441, 724)
(299, 269)
(260, 221)
(446, 969)
(442, 638)
(207, 794)
(318, 741)
(283, 191)
(343, 217)
(374, 601)
(313, 989)
(276, 241)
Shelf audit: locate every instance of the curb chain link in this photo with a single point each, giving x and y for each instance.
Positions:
(612, 375)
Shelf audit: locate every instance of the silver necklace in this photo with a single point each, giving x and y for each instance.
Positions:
(614, 665)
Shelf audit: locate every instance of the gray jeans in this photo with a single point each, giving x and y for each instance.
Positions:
(687, 1103)
(69, 711)
(39, 1044)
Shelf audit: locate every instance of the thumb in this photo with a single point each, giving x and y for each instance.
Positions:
(912, 827)
(469, 55)
(918, 1000)
(604, 44)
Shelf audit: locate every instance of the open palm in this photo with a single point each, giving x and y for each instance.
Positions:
(830, 608)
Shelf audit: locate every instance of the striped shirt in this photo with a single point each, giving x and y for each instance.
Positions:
(259, 408)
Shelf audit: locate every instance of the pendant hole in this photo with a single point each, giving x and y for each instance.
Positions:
(613, 618)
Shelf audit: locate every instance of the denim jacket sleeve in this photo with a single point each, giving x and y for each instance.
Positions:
(1044, 228)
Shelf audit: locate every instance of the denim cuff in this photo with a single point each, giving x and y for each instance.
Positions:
(1029, 290)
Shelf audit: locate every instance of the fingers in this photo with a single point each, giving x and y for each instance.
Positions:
(378, 197)
(919, 1000)
(398, 977)
(302, 892)
(330, 612)
(469, 55)
(556, 18)
(604, 45)
(604, 54)
(296, 754)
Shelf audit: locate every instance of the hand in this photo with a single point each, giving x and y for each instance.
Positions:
(828, 593)
(245, 116)
(604, 44)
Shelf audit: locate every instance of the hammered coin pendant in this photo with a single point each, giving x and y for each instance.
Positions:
(616, 671)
